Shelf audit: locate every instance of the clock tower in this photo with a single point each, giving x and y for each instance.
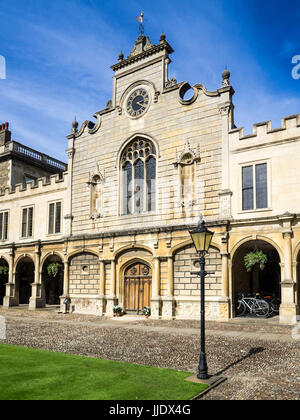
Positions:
(141, 77)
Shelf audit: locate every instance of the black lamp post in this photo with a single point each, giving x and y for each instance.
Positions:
(202, 238)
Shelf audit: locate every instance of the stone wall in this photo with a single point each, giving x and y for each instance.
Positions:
(84, 274)
(187, 285)
(20, 170)
(4, 173)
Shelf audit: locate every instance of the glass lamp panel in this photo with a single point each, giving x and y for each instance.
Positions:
(208, 238)
(199, 240)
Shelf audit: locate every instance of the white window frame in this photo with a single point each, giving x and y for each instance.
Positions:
(54, 220)
(269, 183)
(27, 224)
(2, 239)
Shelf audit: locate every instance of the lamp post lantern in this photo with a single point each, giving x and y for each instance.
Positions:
(202, 238)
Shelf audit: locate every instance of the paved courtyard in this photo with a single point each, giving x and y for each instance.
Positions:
(260, 358)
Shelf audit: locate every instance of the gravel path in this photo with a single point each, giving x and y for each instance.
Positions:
(260, 359)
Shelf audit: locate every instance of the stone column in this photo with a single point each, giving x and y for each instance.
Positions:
(156, 299)
(225, 277)
(168, 308)
(10, 298)
(36, 300)
(101, 287)
(288, 311)
(66, 284)
(111, 298)
(224, 303)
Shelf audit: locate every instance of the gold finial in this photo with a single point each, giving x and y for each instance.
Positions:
(141, 20)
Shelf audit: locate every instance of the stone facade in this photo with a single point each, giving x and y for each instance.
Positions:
(110, 223)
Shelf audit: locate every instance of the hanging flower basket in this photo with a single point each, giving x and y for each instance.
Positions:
(3, 270)
(253, 258)
(53, 269)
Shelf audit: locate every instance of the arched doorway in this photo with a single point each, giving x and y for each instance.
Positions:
(265, 282)
(137, 287)
(52, 282)
(3, 278)
(24, 279)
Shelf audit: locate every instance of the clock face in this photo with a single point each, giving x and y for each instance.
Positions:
(138, 102)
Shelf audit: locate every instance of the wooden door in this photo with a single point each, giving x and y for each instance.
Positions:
(137, 287)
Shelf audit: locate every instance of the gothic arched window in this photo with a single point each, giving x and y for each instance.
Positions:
(138, 167)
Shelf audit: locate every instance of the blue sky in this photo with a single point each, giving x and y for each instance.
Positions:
(59, 53)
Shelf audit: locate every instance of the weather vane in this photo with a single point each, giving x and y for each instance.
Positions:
(141, 20)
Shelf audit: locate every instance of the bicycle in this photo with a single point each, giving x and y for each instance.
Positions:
(273, 302)
(253, 305)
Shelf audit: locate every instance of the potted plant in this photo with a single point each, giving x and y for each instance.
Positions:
(146, 311)
(117, 310)
(53, 269)
(253, 258)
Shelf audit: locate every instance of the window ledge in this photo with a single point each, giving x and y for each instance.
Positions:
(255, 211)
(152, 213)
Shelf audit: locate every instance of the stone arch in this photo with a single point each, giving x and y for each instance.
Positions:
(186, 260)
(130, 139)
(20, 258)
(80, 251)
(3, 277)
(257, 238)
(24, 269)
(265, 282)
(188, 242)
(131, 261)
(49, 254)
(296, 252)
(52, 286)
(133, 247)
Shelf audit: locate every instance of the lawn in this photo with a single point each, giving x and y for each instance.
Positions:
(31, 374)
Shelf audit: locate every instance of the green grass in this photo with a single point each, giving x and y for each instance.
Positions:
(30, 374)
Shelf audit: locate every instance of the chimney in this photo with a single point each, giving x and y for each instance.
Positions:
(5, 134)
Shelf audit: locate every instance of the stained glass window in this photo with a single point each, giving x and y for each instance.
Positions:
(127, 186)
(151, 183)
(139, 177)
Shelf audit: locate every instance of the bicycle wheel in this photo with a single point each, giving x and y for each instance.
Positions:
(240, 308)
(276, 303)
(271, 308)
(260, 308)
